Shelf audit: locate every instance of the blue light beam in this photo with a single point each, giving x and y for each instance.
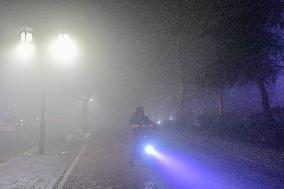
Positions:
(183, 173)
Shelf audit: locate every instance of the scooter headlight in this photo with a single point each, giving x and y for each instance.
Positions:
(149, 149)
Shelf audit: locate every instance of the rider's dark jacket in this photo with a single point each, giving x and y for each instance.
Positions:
(140, 120)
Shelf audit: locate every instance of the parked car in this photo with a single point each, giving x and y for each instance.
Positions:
(11, 123)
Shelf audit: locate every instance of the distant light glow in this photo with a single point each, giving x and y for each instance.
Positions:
(171, 118)
(159, 122)
(63, 49)
(92, 99)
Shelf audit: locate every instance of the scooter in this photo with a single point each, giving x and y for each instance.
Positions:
(147, 144)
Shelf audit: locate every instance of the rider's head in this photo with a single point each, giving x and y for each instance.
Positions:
(140, 110)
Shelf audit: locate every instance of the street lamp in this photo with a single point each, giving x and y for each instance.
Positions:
(62, 49)
(25, 49)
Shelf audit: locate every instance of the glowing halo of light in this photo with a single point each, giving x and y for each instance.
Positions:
(63, 49)
(149, 149)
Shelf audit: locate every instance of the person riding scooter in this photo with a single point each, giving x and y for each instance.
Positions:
(140, 125)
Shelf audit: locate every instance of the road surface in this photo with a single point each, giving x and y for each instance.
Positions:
(104, 164)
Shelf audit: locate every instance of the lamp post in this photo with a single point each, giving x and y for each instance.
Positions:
(41, 146)
(63, 49)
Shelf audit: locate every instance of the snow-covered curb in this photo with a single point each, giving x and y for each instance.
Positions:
(63, 178)
(61, 181)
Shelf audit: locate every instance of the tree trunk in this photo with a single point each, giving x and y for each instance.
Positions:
(181, 113)
(85, 112)
(221, 103)
(85, 115)
(182, 101)
(265, 100)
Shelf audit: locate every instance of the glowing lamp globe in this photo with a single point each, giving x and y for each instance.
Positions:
(63, 49)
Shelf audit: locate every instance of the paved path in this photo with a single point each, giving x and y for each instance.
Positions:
(104, 164)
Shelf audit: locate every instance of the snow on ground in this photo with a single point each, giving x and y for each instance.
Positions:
(33, 171)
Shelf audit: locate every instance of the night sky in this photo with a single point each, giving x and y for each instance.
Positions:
(131, 52)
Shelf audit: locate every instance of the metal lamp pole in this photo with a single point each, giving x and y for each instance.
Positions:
(41, 149)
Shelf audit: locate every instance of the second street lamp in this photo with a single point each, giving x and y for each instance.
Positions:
(63, 49)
